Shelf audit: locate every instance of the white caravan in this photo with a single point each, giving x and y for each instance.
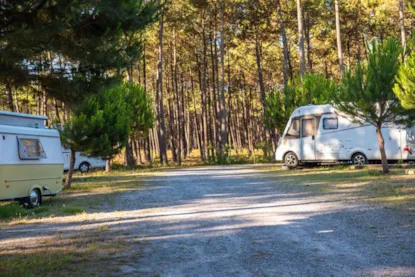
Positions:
(320, 134)
(83, 163)
(31, 162)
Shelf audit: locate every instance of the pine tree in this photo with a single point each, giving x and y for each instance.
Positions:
(367, 93)
(92, 37)
(99, 127)
(405, 83)
(140, 114)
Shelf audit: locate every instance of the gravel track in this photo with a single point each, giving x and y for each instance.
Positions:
(241, 221)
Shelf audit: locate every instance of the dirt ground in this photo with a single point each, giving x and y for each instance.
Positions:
(226, 221)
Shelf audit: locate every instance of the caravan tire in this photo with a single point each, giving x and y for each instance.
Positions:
(291, 160)
(34, 200)
(359, 159)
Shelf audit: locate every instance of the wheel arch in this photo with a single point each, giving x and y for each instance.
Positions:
(358, 150)
(38, 187)
(84, 162)
(288, 151)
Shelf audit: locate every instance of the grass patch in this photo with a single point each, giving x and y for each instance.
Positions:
(366, 184)
(86, 253)
(42, 263)
(73, 210)
(10, 210)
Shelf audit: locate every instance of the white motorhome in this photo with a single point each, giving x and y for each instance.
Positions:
(83, 162)
(31, 162)
(320, 133)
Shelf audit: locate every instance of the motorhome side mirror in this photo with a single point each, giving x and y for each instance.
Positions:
(312, 137)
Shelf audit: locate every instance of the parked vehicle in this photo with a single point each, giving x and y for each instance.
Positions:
(83, 162)
(320, 134)
(31, 162)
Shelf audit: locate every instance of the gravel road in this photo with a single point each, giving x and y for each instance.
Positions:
(241, 221)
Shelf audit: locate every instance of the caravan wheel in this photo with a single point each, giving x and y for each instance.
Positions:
(359, 159)
(291, 160)
(34, 200)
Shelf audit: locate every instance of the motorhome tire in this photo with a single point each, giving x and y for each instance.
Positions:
(291, 160)
(84, 167)
(359, 159)
(34, 200)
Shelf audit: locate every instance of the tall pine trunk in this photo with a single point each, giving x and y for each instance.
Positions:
(402, 23)
(339, 42)
(9, 97)
(259, 72)
(285, 45)
(108, 165)
(301, 38)
(222, 110)
(129, 156)
(159, 95)
(381, 141)
(68, 180)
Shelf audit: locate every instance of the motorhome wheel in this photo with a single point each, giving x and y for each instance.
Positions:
(84, 167)
(33, 200)
(359, 159)
(291, 160)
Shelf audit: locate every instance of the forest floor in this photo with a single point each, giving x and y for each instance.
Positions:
(245, 220)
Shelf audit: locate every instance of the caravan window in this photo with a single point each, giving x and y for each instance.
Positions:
(330, 123)
(30, 149)
(294, 130)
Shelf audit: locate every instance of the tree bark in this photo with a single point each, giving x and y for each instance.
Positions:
(381, 141)
(222, 109)
(213, 55)
(301, 38)
(198, 128)
(285, 45)
(403, 31)
(68, 180)
(260, 75)
(178, 107)
(131, 161)
(108, 166)
(129, 156)
(307, 40)
(9, 97)
(148, 149)
(339, 42)
(161, 124)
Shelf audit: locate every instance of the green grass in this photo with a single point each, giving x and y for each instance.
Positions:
(40, 263)
(10, 210)
(73, 210)
(366, 184)
(88, 253)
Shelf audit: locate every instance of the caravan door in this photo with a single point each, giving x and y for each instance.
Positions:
(308, 136)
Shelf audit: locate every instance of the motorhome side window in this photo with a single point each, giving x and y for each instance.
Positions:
(330, 123)
(30, 149)
(294, 130)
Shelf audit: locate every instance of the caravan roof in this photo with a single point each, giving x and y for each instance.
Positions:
(22, 120)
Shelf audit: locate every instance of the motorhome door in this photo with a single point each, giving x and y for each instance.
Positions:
(308, 133)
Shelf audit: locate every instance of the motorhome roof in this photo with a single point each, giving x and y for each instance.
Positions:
(313, 109)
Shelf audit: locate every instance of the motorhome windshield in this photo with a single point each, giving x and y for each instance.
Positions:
(294, 130)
